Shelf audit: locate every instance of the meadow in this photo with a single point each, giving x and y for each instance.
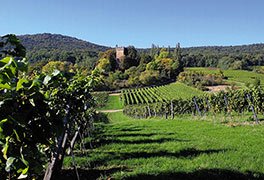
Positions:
(239, 77)
(185, 148)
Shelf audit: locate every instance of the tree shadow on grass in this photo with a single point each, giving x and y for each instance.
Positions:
(203, 174)
(131, 129)
(185, 153)
(129, 135)
(135, 134)
(89, 174)
(188, 153)
(103, 141)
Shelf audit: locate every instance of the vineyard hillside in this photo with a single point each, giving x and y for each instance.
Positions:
(159, 93)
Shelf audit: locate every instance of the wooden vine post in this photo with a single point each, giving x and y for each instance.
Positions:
(172, 111)
(149, 112)
(252, 109)
(196, 106)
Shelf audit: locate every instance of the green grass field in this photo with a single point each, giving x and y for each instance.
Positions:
(240, 77)
(183, 148)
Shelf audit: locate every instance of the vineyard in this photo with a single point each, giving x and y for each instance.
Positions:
(164, 93)
(178, 98)
(151, 102)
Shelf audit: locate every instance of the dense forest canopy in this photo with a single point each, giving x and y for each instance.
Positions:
(57, 41)
(42, 48)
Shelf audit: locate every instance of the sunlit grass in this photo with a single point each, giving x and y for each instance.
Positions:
(235, 76)
(112, 103)
(186, 147)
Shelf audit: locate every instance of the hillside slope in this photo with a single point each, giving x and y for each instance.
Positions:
(45, 47)
(57, 41)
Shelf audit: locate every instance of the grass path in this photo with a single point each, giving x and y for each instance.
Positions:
(111, 110)
(113, 104)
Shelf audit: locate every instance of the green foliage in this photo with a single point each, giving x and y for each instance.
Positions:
(130, 59)
(104, 65)
(64, 67)
(11, 46)
(43, 47)
(163, 54)
(240, 77)
(26, 120)
(149, 77)
(229, 57)
(107, 61)
(59, 47)
(259, 69)
(200, 79)
(142, 70)
(35, 112)
(145, 58)
(100, 98)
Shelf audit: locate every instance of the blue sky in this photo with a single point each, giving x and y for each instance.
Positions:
(139, 22)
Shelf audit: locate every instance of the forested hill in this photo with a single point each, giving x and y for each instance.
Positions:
(55, 47)
(225, 57)
(57, 41)
(252, 48)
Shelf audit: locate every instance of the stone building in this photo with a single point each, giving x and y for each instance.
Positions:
(120, 52)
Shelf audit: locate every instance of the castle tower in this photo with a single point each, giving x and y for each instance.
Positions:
(120, 52)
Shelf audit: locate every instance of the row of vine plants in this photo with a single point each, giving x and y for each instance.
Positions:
(240, 101)
(141, 96)
(41, 117)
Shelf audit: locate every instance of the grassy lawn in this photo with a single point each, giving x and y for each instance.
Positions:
(182, 148)
(113, 103)
(237, 76)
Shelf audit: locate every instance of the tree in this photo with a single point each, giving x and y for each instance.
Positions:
(145, 58)
(163, 54)
(130, 59)
(104, 65)
(62, 66)
(225, 62)
(111, 57)
(10, 46)
(177, 52)
(149, 77)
